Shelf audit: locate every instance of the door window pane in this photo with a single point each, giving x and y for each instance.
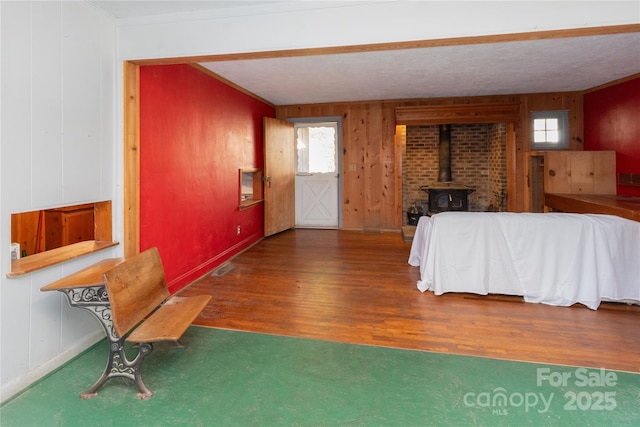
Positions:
(316, 149)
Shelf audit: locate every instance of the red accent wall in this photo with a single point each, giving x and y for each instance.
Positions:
(195, 134)
(612, 122)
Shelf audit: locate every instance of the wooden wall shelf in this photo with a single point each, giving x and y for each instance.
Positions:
(35, 262)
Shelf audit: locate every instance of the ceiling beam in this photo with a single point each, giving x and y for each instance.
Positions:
(458, 114)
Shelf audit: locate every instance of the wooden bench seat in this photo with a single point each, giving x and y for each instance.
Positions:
(170, 321)
(142, 312)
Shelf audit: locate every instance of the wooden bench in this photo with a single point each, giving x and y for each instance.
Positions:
(131, 300)
(143, 312)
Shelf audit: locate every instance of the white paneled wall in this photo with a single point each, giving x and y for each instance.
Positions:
(45, 152)
(57, 147)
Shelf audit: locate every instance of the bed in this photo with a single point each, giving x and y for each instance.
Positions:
(551, 258)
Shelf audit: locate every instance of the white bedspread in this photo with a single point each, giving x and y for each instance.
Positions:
(550, 258)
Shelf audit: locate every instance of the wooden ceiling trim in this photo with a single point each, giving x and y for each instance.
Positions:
(458, 114)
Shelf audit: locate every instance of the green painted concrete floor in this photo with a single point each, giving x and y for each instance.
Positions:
(230, 378)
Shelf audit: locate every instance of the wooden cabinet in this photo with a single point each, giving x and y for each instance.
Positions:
(569, 172)
(580, 172)
(64, 226)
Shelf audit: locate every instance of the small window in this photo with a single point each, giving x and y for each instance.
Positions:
(550, 130)
(250, 187)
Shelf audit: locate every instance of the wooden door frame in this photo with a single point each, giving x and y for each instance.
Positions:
(339, 149)
(131, 159)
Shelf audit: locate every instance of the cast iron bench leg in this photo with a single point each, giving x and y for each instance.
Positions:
(95, 300)
(119, 366)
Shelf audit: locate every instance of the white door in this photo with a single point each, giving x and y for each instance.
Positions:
(317, 175)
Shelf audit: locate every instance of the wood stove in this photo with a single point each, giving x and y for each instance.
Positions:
(445, 196)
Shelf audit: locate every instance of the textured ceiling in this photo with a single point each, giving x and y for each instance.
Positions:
(531, 66)
(556, 65)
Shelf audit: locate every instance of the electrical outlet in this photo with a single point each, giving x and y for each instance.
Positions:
(238, 231)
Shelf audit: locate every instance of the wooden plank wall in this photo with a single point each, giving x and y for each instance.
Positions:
(372, 179)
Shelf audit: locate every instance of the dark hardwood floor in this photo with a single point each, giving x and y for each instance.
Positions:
(357, 287)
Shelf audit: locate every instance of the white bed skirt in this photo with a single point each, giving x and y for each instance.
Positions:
(551, 258)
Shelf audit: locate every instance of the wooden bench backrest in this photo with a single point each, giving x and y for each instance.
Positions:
(135, 287)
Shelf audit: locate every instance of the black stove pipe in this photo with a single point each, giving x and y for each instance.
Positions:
(444, 154)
